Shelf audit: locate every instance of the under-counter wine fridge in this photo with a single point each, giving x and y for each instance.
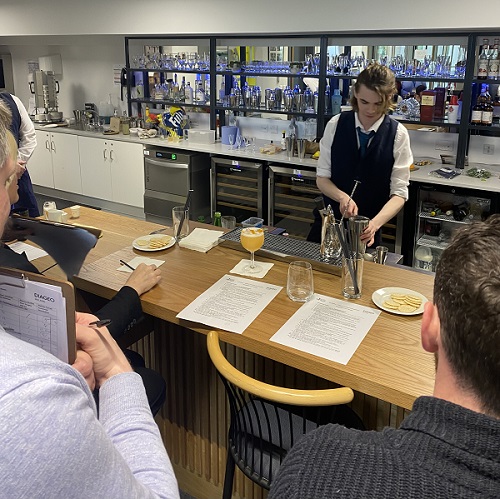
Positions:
(237, 188)
(291, 199)
(440, 211)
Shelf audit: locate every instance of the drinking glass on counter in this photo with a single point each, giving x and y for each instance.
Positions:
(180, 216)
(252, 239)
(228, 222)
(300, 284)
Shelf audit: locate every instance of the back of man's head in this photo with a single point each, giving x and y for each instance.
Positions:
(467, 296)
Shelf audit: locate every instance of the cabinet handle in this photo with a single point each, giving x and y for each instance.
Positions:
(52, 146)
(111, 155)
(47, 145)
(105, 154)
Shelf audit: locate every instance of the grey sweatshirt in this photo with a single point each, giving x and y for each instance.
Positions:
(53, 445)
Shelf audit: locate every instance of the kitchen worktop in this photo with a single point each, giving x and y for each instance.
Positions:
(217, 149)
(421, 175)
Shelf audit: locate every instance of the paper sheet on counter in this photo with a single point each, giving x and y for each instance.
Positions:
(327, 327)
(231, 304)
(32, 252)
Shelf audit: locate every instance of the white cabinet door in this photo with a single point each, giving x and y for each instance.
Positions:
(127, 173)
(40, 163)
(95, 167)
(66, 162)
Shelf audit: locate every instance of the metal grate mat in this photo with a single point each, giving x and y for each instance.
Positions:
(287, 246)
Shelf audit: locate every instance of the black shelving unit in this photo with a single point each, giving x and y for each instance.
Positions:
(303, 42)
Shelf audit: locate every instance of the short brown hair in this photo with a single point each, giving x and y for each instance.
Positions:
(380, 79)
(467, 296)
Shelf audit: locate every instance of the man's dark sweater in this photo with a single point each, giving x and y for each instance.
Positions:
(441, 450)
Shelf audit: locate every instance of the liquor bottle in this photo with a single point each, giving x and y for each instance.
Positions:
(494, 62)
(336, 101)
(496, 107)
(199, 93)
(453, 109)
(482, 63)
(217, 219)
(487, 113)
(327, 99)
(207, 88)
(188, 93)
(175, 90)
(182, 90)
(476, 114)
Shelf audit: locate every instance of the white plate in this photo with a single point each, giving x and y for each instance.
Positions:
(148, 238)
(383, 294)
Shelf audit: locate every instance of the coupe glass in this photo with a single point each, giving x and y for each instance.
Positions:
(252, 239)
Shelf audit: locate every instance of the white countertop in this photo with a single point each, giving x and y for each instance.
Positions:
(463, 181)
(421, 175)
(217, 149)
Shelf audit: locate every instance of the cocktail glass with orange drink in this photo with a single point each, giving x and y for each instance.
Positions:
(252, 239)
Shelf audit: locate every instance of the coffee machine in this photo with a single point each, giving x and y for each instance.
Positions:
(45, 88)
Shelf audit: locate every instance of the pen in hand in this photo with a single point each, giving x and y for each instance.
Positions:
(101, 323)
(127, 265)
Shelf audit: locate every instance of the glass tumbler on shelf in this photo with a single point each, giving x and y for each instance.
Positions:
(252, 239)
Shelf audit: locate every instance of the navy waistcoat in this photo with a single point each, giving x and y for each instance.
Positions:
(373, 171)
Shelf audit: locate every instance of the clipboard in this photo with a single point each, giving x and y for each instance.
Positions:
(68, 293)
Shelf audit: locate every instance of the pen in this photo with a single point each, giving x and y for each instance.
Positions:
(127, 265)
(101, 323)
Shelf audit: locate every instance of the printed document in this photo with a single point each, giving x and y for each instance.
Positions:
(35, 312)
(327, 327)
(231, 304)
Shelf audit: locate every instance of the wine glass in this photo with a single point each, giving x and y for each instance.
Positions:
(252, 239)
(230, 139)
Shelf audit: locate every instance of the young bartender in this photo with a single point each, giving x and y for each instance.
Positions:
(365, 144)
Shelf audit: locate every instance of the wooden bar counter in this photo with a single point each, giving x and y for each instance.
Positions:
(389, 365)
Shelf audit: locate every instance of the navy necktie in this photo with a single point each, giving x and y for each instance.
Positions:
(364, 138)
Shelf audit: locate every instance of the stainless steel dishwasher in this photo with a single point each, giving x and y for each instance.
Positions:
(168, 176)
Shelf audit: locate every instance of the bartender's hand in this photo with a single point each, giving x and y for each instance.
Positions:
(368, 235)
(143, 278)
(107, 357)
(348, 208)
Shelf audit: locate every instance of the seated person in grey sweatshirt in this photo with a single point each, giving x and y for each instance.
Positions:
(53, 443)
(449, 445)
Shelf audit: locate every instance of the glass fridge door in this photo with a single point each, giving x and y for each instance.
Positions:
(291, 199)
(237, 188)
(439, 214)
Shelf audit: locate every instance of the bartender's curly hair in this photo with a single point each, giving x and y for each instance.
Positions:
(380, 79)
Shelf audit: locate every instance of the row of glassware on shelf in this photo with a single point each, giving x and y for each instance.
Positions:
(350, 64)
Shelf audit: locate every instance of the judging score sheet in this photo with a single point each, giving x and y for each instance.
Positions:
(36, 313)
(231, 304)
(328, 328)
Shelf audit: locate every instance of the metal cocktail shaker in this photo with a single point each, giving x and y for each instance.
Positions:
(357, 225)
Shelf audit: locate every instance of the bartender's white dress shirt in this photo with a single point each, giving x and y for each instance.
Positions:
(27, 134)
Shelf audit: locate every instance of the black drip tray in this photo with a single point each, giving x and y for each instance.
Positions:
(284, 247)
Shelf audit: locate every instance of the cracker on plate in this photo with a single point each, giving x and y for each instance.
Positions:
(407, 308)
